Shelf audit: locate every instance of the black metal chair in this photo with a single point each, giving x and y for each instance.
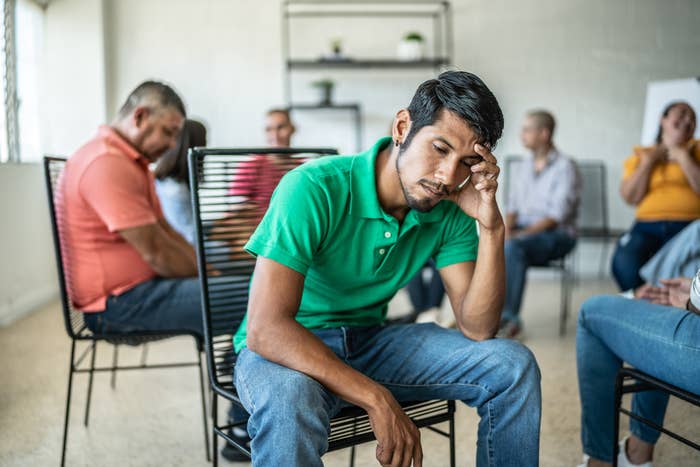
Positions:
(593, 219)
(78, 331)
(220, 223)
(630, 380)
(564, 266)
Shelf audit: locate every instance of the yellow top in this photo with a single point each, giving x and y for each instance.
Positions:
(669, 196)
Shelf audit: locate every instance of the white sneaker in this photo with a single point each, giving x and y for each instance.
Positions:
(428, 316)
(623, 461)
(585, 461)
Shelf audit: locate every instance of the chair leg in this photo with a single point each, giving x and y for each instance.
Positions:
(564, 305)
(89, 391)
(352, 456)
(204, 405)
(453, 460)
(68, 397)
(619, 381)
(115, 356)
(144, 353)
(214, 436)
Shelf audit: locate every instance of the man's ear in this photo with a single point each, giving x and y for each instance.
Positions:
(401, 126)
(140, 116)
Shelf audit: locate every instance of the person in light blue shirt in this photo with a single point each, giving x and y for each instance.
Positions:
(541, 212)
(172, 180)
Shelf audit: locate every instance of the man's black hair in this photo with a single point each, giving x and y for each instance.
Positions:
(465, 95)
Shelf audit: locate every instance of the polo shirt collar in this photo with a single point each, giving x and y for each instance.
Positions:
(363, 189)
(113, 138)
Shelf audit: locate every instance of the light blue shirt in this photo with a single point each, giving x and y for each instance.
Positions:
(177, 208)
(554, 192)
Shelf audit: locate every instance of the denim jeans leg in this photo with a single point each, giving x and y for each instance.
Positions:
(159, 304)
(499, 377)
(655, 339)
(516, 274)
(290, 412)
(525, 251)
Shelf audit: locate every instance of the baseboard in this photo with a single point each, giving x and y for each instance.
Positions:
(12, 310)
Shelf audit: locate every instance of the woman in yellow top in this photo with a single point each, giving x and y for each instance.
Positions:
(663, 182)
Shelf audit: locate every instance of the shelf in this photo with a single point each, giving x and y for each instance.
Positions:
(331, 106)
(366, 63)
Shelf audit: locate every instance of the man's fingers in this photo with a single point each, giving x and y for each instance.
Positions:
(384, 455)
(418, 454)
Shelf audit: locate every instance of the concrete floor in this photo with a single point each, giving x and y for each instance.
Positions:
(154, 418)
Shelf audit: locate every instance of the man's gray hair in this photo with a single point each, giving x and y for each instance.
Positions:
(154, 95)
(544, 119)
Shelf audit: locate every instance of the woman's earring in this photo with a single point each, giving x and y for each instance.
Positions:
(396, 143)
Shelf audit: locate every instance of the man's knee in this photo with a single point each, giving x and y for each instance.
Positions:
(594, 305)
(280, 391)
(518, 363)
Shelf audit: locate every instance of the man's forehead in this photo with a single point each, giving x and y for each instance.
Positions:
(277, 118)
(452, 128)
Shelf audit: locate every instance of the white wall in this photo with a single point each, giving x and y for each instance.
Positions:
(73, 104)
(27, 269)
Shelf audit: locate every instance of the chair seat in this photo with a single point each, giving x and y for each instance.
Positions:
(351, 425)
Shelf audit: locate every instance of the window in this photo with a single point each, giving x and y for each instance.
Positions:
(22, 48)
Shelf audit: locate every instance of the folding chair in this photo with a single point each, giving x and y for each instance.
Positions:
(221, 222)
(630, 381)
(78, 331)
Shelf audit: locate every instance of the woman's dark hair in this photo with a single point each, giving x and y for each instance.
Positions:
(667, 109)
(464, 94)
(173, 164)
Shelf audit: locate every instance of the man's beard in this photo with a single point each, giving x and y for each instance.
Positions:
(420, 205)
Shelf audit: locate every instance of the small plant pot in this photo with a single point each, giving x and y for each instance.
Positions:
(325, 93)
(410, 50)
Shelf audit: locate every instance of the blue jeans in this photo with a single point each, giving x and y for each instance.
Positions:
(523, 252)
(423, 294)
(679, 257)
(637, 246)
(661, 341)
(291, 412)
(157, 305)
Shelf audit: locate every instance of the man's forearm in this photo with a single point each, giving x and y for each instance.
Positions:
(480, 311)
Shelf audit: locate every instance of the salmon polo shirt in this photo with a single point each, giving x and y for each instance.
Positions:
(325, 222)
(106, 187)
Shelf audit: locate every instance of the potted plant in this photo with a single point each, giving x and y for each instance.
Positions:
(325, 90)
(411, 47)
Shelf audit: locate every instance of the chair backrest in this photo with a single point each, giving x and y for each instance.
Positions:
(73, 319)
(224, 219)
(593, 211)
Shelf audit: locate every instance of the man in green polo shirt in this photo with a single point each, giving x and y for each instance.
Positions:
(342, 235)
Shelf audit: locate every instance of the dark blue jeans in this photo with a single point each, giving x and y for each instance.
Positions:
(637, 246)
(157, 305)
(424, 294)
(523, 252)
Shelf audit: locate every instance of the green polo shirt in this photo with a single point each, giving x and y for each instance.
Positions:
(325, 222)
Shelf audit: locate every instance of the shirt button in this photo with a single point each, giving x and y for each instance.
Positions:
(382, 251)
(387, 234)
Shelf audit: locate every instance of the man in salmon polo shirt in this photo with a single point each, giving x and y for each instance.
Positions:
(127, 269)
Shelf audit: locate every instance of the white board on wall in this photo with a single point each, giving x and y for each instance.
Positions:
(659, 95)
